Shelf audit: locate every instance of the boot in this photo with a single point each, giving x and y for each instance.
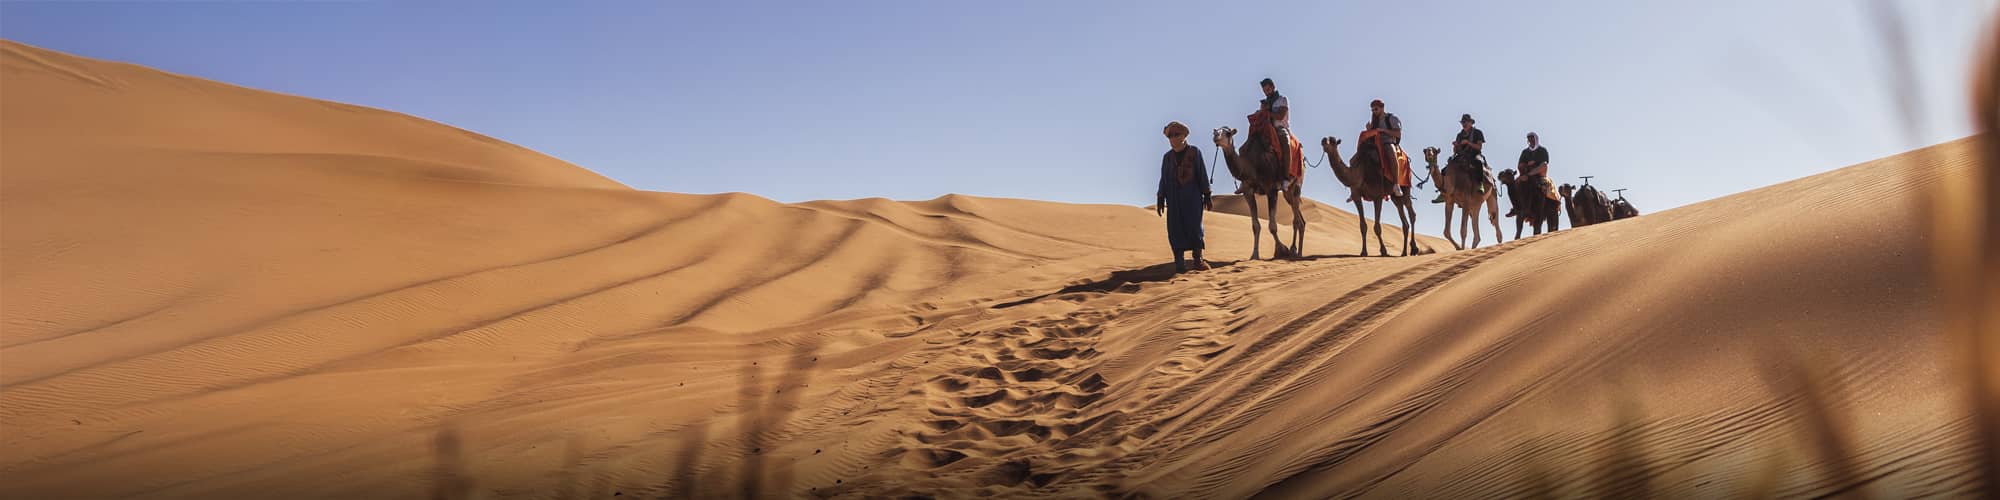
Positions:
(1440, 198)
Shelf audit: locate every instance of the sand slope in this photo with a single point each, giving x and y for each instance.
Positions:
(212, 291)
(185, 260)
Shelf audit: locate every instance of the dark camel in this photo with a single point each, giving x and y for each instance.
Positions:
(1368, 182)
(1585, 205)
(1530, 205)
(1258, 168)
(1621, 209)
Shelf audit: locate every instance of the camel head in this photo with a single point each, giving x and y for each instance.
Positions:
(1331, 145)
(1566, 190)
(1225, 137)
(1431, 155)
(1507, 177)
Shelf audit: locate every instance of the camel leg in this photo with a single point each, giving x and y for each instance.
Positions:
(1470, 220)
(1363, 217)
(1493, 215)
(1298, 222)
(1404, 216)
(1379, 242)
(1447, 228)
(1256, 226)
(1278, 249)
(1408, 212)
(1418, 247)
(1470, 223)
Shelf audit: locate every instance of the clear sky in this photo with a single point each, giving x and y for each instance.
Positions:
(1680, 101)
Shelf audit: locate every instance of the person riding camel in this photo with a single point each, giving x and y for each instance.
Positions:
(1466, 149)
(1276, 113)
(1534, 165)
(1384, 132)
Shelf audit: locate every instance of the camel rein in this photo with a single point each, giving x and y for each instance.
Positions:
(1211, 164)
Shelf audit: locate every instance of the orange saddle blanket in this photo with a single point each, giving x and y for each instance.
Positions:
(1400, 171)
(1260, 126)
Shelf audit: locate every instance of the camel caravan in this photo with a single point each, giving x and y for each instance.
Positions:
(1270, 164)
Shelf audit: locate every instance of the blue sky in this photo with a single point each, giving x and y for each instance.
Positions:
(1681, 101)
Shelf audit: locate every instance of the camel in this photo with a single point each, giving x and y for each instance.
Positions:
(1530, 205)
(1368, 183)
(1463, 193)
(1621, 209)
(1585, 205)
(1263, 174)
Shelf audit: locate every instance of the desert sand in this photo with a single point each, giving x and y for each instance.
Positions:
(209, 291)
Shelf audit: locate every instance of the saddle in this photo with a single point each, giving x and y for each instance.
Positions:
(1463, 167)
(1397, 171)
(1261, 129)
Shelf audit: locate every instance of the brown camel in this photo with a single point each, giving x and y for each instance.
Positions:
(1621, 209)
(1464, 193)
(1260, 172)
(1585, 205)
(1367, 181)
(1531, 206)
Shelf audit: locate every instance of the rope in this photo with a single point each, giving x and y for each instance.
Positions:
(1211, 164)
(1211, 169)
(1322, 160)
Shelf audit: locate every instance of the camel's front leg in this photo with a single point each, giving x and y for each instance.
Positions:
(1256, 226)
(1363, 218)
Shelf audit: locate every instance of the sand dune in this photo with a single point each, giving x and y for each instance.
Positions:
(213, 291)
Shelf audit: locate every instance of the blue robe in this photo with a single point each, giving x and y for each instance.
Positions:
(1184, 200)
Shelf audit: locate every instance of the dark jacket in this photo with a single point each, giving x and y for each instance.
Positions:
(1472, 135)
(1193, 191)
(1530, 158)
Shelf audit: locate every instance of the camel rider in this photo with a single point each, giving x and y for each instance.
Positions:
(1535, 163)
(1388, 133)
(1465, 148)
(1535, 159)
(1279, 111)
